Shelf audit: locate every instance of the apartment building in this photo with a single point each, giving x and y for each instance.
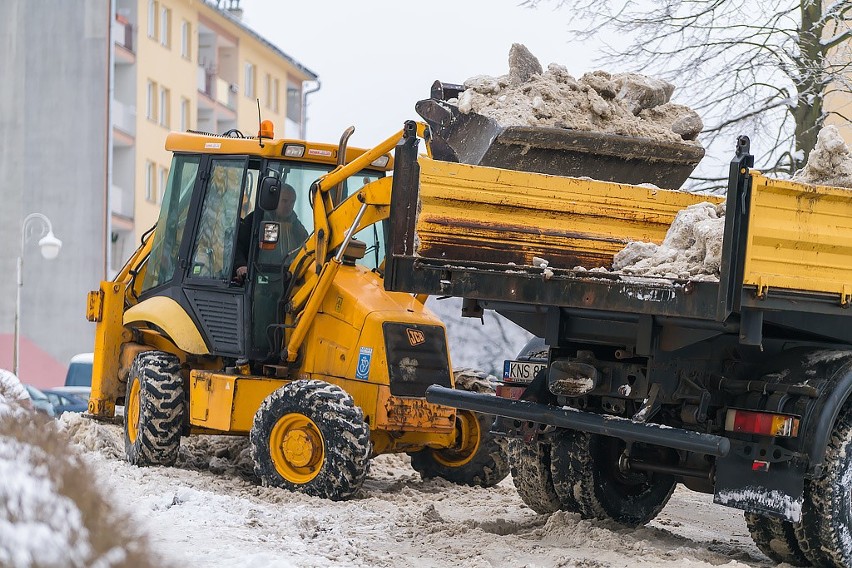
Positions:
(90, 91)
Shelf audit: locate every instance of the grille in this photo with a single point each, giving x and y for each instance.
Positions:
(221, 317)
(417, 358)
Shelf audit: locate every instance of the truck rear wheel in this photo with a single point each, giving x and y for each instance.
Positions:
(776, 539)
(478, 457)
(308, 436)
(154, 409)
(587, 466)
(530, 463)
(825, 530)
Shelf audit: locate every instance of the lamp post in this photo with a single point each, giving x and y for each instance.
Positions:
(50, 246)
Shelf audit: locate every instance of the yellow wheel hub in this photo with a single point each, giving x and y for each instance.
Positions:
(296, 447)
(468, 436)
(131, 419)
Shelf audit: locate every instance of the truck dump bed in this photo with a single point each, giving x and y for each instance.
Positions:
(473, 232)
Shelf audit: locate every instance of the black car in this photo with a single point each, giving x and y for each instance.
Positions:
(66, 401)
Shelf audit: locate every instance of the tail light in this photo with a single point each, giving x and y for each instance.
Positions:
(762, 423)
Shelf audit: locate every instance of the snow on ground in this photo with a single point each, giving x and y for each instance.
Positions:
(196, 518)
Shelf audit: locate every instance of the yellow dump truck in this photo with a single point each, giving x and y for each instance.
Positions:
(738, 387)
(256, 307)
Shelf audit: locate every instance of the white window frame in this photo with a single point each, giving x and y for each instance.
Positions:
(150, 172)
(151, 108)
(184, 114)
(186, 40)
(276, 94)
(250, 76)
(165, 95)
(165, 27)
(161, 186)
(152, 19)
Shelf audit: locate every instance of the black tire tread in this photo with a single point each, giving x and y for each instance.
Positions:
(776, 539)
(531, 474)
(162, 407)
(345, 433)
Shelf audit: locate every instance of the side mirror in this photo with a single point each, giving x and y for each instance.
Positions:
(270, 192)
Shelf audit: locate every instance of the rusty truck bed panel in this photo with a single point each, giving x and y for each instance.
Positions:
(503, 216)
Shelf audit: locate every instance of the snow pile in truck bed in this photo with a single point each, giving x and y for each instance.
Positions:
(830, 162)
(626, 104)
(691, 250)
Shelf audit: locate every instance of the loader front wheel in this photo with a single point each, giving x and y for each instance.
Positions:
(308, 436)
(155, 409)
(477, 458)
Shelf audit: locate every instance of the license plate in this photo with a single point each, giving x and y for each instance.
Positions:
(521, 371)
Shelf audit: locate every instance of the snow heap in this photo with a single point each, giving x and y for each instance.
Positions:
(830, 162)
(54, 510)
(692, 248)
(627, 104)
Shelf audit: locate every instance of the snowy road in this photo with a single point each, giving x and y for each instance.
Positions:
(197, 517)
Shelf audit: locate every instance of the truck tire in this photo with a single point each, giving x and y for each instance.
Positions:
(776, 539)
(155, 409)
(588, 464)
(308, 436)
(530, 464)
(825, 530)
(479, 459)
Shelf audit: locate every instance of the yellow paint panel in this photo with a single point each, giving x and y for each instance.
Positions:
(227, 403)
(799, 237)
(167, 314)
(489, 214)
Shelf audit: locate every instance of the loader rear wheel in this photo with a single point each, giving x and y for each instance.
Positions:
(530, 463)
(477, 458)
(588, 464)
(308, 436)
(155, 409)
(776, 539)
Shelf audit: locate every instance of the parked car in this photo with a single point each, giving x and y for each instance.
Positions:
(80, 370)
(66, 401)
(40, 401)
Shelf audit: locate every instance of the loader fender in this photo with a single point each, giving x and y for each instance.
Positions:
(169, 316)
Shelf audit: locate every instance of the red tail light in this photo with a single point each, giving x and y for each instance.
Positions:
(762, 423)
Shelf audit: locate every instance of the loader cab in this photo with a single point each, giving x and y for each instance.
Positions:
(211, 223)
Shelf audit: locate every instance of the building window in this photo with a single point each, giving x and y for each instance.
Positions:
(267, 91)
(150, 180)
(294, 103)
(152, 19)
(166, 27)
(151, 108)
(165, 95)
(161, 187)
(250, 86)
(185, 39)
(184, 114)
(276, 88)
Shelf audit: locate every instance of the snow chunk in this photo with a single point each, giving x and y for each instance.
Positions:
(830, 162)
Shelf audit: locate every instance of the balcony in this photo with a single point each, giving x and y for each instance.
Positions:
(122, 33)
(121, 202)
(124, 123)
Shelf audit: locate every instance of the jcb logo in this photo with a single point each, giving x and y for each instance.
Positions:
(415, 336)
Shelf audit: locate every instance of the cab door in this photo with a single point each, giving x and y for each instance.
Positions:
(217, 300)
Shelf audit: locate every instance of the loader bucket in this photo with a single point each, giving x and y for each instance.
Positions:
(478, 140)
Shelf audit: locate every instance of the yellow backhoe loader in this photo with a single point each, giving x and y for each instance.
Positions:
(244, 313)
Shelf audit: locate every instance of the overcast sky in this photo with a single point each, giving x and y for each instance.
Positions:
(376, 58)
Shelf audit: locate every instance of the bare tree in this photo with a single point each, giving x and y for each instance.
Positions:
(745, 66)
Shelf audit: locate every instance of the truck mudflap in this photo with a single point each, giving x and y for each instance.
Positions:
(766, 485)
(613, 426)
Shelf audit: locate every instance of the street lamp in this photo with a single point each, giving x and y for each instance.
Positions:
(50, 246)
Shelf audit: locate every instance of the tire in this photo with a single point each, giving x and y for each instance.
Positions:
(308, 436)
(479, 459)
(530, 464)
(776, 539)
(588, 465)
(825, 530)
(155, 409)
